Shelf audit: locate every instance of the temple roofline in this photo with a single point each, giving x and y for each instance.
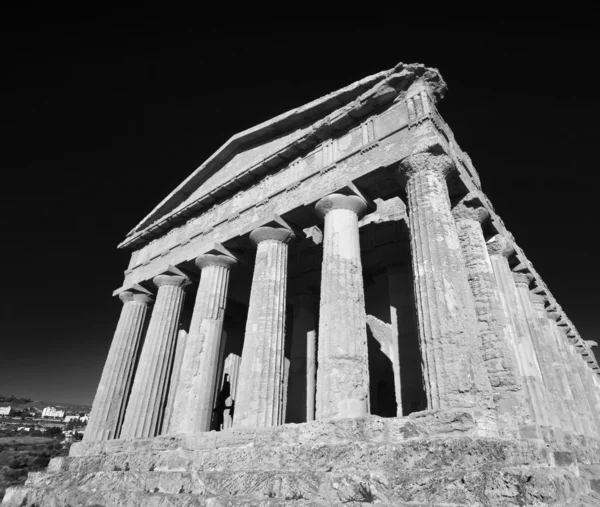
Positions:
(375, 87)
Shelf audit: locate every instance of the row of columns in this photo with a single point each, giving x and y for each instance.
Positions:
(260, 397)
(483, 340)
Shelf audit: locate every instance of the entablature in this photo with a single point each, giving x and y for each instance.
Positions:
(400, 82)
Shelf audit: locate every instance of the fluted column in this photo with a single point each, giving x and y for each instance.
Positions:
(260, 383)
(175, 377)
(498, 355)
(343, 372)
(587, 401)
(110, 402)
(518, 333)
(590, 388)
(301, 387)
(561, 385)
(453, 368)
(578, 387)
(195, 396)
(145, 411)
(573, 398)
(580, 410)
(560, 400)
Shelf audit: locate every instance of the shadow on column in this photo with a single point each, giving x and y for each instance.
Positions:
(235, 320)
(382, 393)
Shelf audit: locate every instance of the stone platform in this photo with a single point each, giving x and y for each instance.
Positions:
(431, 458)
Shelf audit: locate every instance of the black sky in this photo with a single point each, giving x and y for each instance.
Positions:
(103, 116)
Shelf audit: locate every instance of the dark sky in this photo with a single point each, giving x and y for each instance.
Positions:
(102, 117)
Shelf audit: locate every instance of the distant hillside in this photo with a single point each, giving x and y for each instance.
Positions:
(20, 403)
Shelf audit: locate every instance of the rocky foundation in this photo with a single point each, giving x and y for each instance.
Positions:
(433, 458)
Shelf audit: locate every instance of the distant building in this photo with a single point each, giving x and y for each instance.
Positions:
(53, 413)
(6, 411)
(81, 418)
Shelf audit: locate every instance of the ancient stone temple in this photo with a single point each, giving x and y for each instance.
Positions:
(329, 311)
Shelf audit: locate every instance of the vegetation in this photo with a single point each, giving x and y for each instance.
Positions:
(22, 454)
(14, 399)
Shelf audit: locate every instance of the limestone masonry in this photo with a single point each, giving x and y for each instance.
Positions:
(329, 311)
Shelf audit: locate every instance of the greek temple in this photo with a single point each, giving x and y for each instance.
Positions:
(335, 276)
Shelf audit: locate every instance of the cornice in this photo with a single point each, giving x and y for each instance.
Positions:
(357, 102)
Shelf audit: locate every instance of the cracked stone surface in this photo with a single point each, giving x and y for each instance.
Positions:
(432, 458)
(448, 330)
(260, 394)
(499, 357)
(343, 374)
(196, 387)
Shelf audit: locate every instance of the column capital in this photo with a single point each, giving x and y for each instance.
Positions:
(522, 279)
(205, 260)
(171, 276)
(340, 201)
(538, 301)
(463, 211)
(136, 293)
(429, 158)
(271, 233)
(499, 245)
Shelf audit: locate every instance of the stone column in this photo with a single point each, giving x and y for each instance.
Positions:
(108, 410)
(260, 384)
(518, 333)
(343, 372)
(301, 389)
(591, 390)
(145, 411)
(175, 377)
(584, 403)
(454, 372)
(558, 367)
(498, 355)
(195, 397)
(559, 413)
(573, 388)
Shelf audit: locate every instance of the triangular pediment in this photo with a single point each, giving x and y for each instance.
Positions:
(256, 151)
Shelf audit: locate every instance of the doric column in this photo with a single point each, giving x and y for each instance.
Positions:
(573, 388)
(498, 355)
(195, 397)
(108, 410)
(591, 391)
(557, 413)
(175, 377)
(260, 384)
(518, 332)
(301, 387)
(145, 410)
(343, 373)
(579, 389)
(560, 385)
(453, 367)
